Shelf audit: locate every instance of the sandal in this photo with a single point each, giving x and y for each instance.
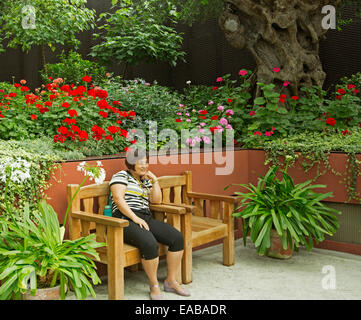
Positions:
(155, 296)
(181, 292)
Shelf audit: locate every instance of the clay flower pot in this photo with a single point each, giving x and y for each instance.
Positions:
(44, 294)
(276, 249)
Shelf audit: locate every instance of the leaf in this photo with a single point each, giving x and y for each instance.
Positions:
(276, 222)
(261, 235)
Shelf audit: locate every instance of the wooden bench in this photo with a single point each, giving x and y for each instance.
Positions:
(209, 218)
(87, 216)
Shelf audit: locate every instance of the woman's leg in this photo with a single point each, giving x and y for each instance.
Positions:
(151, 267)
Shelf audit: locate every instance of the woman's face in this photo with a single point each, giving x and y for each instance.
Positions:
(141, 166)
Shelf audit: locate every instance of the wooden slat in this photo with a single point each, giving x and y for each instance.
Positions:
(199, 207)
(88, 207)
(177, 195)
(186, 227)
(85, 230)
(214, 204)
(102, 201)
(228, 242)
(166, 195)
(208, 196)
(74, 223)
(94, 190)
(209, 235)
(171, 181)
(101, 233)
(108, 221)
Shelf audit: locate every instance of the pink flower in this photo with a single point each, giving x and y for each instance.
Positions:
(252, 113)
(202, 124)
(210, 103)
(276, 70)
(257, 133)
(220, 128)
(286, 83)
(223, 121)
(220, 108)
(219, 79)
(179, 113)
(187, 114)
(200, 130)
(188, 120)
(181, 105)
(229, 112)
(206, 139)
(229, 127)
(242, 73)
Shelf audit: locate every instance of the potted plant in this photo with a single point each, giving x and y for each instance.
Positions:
(293, 213)
(34, 256)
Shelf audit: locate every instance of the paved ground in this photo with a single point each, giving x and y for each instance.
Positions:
(307, 275)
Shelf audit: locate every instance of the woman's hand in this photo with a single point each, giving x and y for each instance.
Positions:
(141, 223)
(149, 175)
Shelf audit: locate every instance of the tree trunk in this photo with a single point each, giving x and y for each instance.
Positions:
(282, 34)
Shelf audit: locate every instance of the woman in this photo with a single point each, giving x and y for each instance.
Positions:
(132, 190)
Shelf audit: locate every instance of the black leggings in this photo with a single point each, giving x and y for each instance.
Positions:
(147, 241)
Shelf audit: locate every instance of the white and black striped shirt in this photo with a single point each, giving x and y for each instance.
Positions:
(136, 193)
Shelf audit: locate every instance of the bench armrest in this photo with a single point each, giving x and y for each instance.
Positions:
(167, 208)
(188, 207)
(104, 220)
(207, 196)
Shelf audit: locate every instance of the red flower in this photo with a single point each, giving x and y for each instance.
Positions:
(339, 97)
(72, 113)
(124, 133)
(1, 115)
(83, 136)
(133, 141)
(116, 103)
(48, 103)
(214, 118)
(229, 100)
(75, 129)
(131, 114)
(113, 129)
(102, 104)
(65, 105)
(97, 132)
(12, 94)
(102, 94)
(59, 137)
(345, 132)
(33, 117)
(341, 91)
(201, 117)
(24, 88)
(203, 112)
(87, 79)
(63, 130)
(212, 129)
(17, 85)
(214, 88)
(351, 86)
(65, 88)
(331, 121)
(295, 98)
(69, 121)
(43, 110)
(103, 114)
(109, 137)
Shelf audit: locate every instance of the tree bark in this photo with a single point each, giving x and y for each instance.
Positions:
(282, 34)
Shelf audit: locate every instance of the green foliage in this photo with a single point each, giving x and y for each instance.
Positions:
(47, 23)
(315, 148)
(42, 159)
(33, 252)
(294, 211)
(73, 68)
(134, 34)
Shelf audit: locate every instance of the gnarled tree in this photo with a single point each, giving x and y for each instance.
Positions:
(282, 34)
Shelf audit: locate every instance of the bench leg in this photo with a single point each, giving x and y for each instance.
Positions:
(115, 264)
(228, 242)
(186, 227)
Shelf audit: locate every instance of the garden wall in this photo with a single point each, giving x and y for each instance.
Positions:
(247, 164)
(209, 55)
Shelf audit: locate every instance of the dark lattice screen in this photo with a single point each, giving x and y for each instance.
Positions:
(208, 56)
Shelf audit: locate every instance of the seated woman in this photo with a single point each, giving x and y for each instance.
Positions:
(131, 191)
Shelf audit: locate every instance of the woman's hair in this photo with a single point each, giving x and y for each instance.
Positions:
(134, 156)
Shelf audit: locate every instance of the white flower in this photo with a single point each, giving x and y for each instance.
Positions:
(18, 170)
(188, 82)
(93, 172)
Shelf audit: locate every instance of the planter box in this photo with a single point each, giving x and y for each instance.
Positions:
(205, 166)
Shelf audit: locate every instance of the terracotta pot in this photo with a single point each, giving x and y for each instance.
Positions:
(276, 250)
(44, 294)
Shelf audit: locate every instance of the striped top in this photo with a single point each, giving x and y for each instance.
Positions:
(136, 193)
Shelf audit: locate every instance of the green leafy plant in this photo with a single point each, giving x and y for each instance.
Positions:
(72, 68)
(44, 23)
(133, 34)
(33, 255)
(294, 211)
(33, 252)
